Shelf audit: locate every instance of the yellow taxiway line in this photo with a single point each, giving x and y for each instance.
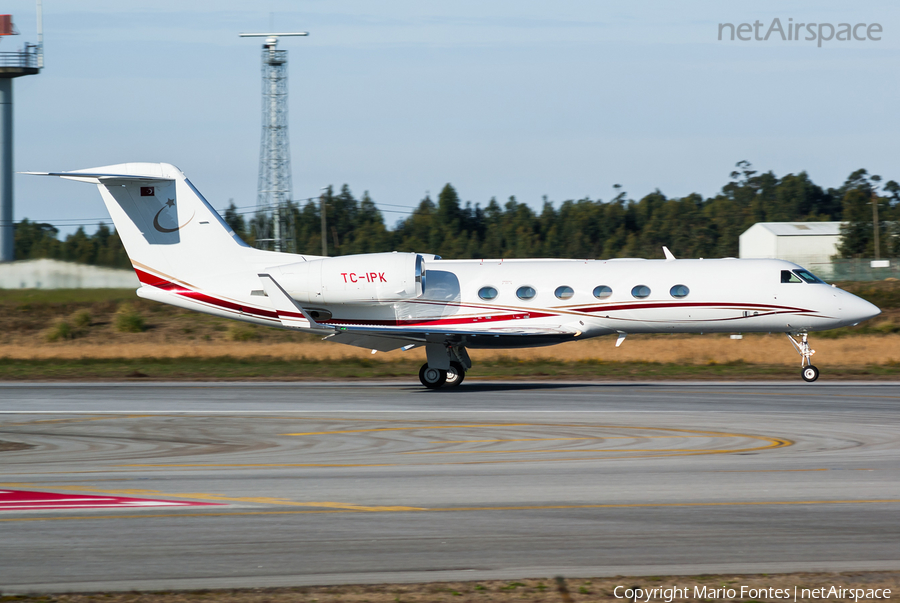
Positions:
(634, 437)
(460, 426)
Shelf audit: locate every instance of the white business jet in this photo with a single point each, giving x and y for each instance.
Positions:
(186, 255)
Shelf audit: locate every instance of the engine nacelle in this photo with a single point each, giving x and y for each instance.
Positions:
(354, 279)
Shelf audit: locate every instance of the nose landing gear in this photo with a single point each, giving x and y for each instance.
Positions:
(810, 373)
(807, 370)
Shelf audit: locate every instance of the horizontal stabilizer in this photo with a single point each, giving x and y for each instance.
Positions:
(97, 178)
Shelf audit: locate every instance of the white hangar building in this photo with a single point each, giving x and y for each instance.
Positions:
(810, 244)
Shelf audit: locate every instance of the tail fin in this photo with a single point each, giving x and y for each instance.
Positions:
(164, 222)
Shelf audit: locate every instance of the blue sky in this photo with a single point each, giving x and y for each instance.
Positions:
(499, 98)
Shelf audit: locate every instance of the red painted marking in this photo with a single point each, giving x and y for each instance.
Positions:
(155, 281)
(22, 500)
(426, 323)
(654, 305)
(160, 283)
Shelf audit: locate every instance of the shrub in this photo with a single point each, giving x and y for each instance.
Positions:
(82, 319)
(240, 332)
(887, 327)
(61, 329)
(129, 320)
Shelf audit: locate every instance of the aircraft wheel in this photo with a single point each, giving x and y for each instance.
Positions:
(432, 378)
(455, 375)
(810, 373)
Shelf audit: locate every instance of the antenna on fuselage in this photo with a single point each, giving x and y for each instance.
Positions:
(669, 255)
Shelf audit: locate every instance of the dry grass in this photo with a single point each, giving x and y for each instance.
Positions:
(707, 349)
(698, 349)
(28, 318)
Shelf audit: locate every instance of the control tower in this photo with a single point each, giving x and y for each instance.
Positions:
(27, 61)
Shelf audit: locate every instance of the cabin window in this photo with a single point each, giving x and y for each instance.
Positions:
(808, 276)
(525, 292)
(564, 292)
(641, 291)
(487, 293)
(789, 277)
(602, 291)
(679, 291)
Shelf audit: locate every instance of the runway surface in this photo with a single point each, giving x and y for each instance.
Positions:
(384, 482)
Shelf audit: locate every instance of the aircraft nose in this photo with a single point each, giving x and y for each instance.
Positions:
(862, 310)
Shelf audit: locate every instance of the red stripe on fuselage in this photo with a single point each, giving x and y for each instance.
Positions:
(439, 321)
(160, 283)
(166, 285)
(654, 305)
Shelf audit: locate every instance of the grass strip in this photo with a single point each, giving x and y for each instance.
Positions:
(311, 369)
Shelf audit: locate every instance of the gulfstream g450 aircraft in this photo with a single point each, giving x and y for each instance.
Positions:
(185, 255)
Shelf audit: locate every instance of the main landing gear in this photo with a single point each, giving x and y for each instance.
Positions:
(433, 378)
(807, 370)
(455, 374)
(446, 366)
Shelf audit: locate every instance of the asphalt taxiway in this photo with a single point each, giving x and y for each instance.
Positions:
(318, 483)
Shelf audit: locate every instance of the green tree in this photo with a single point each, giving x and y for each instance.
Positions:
(691, 226)
(856, 232)
(235, 220)
(35, 240)
(859, 192)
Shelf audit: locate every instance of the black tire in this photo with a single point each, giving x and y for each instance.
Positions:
(432, 378)
(455, 375)
(810, 373)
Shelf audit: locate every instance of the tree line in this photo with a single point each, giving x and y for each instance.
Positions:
(692, 226)
(34, 240)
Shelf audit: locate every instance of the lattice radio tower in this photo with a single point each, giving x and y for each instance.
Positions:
(274, 190)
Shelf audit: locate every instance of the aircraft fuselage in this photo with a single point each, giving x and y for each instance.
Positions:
(596, 297)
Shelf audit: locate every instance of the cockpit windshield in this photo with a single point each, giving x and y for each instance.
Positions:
(808, 276)
(789, 277)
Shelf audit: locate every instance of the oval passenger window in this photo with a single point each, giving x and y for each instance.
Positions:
(602, 292)
(564, 292)
(525, 292)
(487, 293)
(679, 291)
(641, 291)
